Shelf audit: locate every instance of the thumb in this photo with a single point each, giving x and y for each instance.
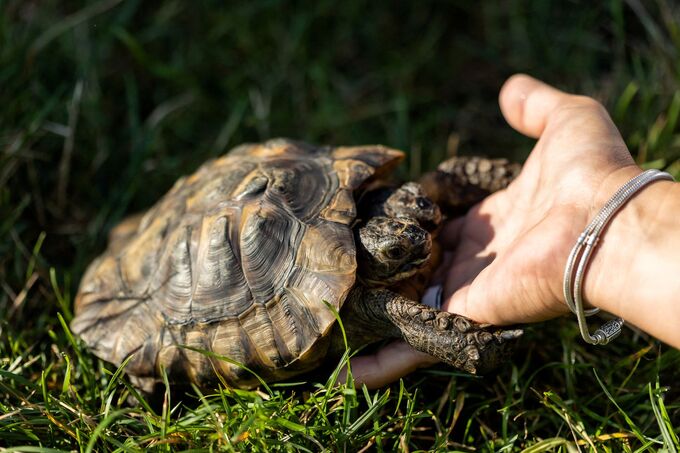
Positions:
(479, 298)
(505, 293)
(527, 103)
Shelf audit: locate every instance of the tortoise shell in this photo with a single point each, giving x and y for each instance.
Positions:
(238, 259)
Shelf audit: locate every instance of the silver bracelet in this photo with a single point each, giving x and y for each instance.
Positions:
(573, 284)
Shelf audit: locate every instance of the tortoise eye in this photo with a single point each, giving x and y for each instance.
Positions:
(394, 252)
(423, 203)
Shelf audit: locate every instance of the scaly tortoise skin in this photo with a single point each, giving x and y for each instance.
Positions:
(241, 258)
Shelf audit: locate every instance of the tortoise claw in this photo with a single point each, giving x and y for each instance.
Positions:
(509, 335)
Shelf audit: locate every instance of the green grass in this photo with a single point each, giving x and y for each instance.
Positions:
(103, 104)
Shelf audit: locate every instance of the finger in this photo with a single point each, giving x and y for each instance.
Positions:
(477, 225)
(527, 103)
(499, 296)
(464, 271)
(478, 300)
(393, 361)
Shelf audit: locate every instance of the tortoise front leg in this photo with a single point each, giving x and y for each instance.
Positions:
(370, 315)
(462, 181)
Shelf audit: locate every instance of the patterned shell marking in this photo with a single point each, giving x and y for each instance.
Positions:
(235, 259)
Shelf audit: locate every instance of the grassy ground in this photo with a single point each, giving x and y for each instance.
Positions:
(103, 104)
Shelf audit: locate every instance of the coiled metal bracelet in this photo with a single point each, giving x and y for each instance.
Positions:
(573, 284)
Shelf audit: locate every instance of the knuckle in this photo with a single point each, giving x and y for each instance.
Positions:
(590, 103)
(577, 105)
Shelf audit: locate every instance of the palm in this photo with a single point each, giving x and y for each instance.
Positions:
(508, 233)
(512, 247)
(507, 255)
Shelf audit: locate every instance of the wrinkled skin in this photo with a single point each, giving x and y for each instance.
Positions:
(391, 250)
(407, 201)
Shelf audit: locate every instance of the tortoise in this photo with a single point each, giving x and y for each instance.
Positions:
(238, 269)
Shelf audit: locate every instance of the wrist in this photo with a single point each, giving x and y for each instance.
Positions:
(634, 270)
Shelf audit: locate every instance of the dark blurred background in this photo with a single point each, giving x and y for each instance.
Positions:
(105, 104)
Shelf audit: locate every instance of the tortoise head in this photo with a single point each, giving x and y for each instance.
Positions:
(410, 200)
(391, 249)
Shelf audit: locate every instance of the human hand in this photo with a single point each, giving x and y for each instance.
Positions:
(507, 255)
(510, 250)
